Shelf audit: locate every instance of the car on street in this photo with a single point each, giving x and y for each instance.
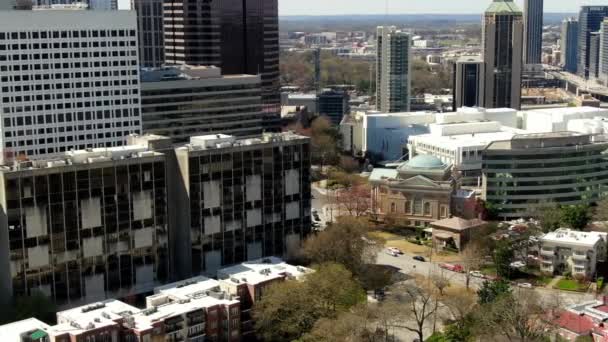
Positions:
(517, 264)
(392, 253)
(524, 285)
(419, 258)
(454, 268)
(395, 249)
(477, 274)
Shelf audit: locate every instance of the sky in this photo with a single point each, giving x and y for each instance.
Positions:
(336, 7)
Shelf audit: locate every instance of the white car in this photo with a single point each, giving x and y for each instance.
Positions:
(517, 264)
(395, 249)
(525, 285)
(477, 274)
(392, 253)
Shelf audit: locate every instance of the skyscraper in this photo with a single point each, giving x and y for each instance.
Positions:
(589, 20)
(393, 70)
(603, 53)
(468, 82)
(71, 81)
(240, 36)
(150, 30)
(502, 54)
(569, 44)
(594, 55)
(533, 31)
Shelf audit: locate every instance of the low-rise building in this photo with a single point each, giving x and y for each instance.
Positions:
(249, 281)
(418, 191)
(455, 232)
(576, 252)
(556, 119)
(27, 330)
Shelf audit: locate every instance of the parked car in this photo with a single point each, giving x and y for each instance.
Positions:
(517, 264)
(453, 268)
(419, 258)
(396, 250)
(477, 274)
(392, 253)
(525, 285)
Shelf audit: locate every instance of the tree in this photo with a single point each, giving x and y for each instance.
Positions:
(491, 291)
(357, 325)
(549, 216)
(461, 306)
(503, 256)
(517, 317)
(419, 306)
(601, 211)
(575, 216)
(291, 308)
(356, 199)
(346, 242)
(472, 259)
(349, 164)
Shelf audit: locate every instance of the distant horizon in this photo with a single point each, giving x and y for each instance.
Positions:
(397, 14)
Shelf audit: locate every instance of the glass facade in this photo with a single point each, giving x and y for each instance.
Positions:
(518, 180)
(88, 232)
(590, 19)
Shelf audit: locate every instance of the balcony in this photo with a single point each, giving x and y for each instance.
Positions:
(547, 252)
(577, 256)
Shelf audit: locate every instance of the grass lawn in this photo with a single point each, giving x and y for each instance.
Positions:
(544, 280)
(571, 285)
(489, 270)
(393, 240)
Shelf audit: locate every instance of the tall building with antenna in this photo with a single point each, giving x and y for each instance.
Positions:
(393, 70)
(502, 54)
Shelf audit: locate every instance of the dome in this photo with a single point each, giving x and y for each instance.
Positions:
(425, 162)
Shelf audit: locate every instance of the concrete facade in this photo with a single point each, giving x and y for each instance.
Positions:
(565, 250)
(393, 70)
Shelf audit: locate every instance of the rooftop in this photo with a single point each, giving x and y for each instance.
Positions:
(425, 162)
(503, 7)
(458, 223)
(453, 142)
(218, 141)
(574, 237)
(13, 331)
(185, 73)
(260, 271)
(90, 317)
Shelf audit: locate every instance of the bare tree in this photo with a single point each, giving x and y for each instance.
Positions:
(472, 260)
(419, 306)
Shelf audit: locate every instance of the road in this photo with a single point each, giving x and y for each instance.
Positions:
(408, 265)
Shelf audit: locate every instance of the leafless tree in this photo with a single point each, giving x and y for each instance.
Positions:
(419, 306)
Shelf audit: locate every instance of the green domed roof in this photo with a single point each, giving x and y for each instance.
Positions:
(426, 162)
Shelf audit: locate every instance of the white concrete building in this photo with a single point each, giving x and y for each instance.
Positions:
(460, 144)
(24, 330)
(566, 250)
(556, 119)
(597, 125)
(68, 80)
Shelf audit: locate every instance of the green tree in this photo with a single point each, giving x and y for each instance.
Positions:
(503, 256)
(491, 291)
(549, 217)
(290, 309)
(347, 242)
(575, 216)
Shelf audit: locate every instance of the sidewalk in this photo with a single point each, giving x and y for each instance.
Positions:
(553, 282)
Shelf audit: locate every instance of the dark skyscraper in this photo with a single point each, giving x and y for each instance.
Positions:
(468, 82)
(150, 30)
(240, 36)
(594, 54)
(502, 54)
(569, 44)
(533, 31)
(590, 19)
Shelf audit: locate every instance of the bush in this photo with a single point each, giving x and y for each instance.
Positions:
(600, 283)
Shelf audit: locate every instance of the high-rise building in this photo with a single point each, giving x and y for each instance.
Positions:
(594, 54)
(240, 36)
(240, 200)
(68, 80)
(469, 82)
(333, 104)
(590, 20)
(393, 70)
(150, 30)
(93, 4)
(209, 103)
(533, 31)
(569, 44)
(90, 225)
(502, 54)
(603, 53)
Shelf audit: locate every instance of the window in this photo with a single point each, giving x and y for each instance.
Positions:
(443, 211)
(393, 207)
(407, 207)
(427, 208)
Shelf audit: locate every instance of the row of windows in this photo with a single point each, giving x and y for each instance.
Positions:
(67, 34)
(105, 115)
(69, 139)
(39, 77)
(68, 45)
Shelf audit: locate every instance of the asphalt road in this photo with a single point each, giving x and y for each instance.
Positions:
(408, 265)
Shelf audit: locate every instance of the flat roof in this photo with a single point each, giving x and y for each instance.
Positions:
(12, 331)
(261, 270)
(452, 142)
(574, 237)
(93, 316)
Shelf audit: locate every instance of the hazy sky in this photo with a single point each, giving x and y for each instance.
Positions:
(330, 7)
